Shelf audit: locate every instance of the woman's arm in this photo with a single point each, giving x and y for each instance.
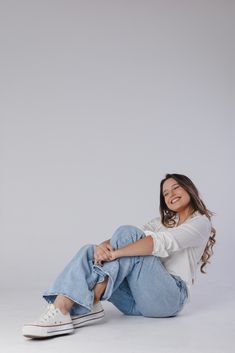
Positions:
(192, 234)
(141, 247)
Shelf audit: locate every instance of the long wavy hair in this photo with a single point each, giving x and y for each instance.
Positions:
(168, 216)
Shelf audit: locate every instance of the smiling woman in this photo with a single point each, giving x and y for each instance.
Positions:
(181, 201)
(177, 199)
(146, 270)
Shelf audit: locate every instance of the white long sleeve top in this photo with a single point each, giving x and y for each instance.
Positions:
(180, 248)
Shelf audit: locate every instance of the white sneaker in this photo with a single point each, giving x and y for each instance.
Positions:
(96, 314)
(51, 323)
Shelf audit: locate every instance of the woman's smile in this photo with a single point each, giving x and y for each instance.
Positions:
(176, 198)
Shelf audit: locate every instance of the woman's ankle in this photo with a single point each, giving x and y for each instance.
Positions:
(63, 303)
(99, 290)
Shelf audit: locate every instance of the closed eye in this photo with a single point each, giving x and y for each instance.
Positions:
(175, 187)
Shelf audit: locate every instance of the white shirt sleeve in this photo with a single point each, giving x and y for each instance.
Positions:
(194, 233)
(152, 225)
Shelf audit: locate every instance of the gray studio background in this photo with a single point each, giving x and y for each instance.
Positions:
(99, 100)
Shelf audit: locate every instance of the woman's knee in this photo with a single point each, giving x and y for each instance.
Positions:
(126, 228)
(125, 235)
(87, 247)
(86, 250)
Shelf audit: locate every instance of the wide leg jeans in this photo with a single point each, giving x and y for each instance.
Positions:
(137, 285)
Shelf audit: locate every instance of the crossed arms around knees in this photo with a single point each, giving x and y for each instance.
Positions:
(104, 251)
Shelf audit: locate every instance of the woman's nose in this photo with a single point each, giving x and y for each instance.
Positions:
(171, 193)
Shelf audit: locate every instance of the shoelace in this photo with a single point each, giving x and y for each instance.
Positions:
(50, 312)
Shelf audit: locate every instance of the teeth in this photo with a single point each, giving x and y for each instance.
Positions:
(175, 200)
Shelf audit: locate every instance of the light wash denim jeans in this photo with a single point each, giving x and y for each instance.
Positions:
(137, 285)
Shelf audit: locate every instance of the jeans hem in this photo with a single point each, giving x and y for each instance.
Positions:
(47, 296)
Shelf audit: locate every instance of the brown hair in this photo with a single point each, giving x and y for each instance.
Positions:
(168, 216)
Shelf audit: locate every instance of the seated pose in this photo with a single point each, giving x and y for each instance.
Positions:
(146, 270)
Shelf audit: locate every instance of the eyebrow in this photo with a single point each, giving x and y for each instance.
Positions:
(167, 189)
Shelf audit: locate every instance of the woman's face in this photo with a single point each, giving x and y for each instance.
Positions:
(176, 198)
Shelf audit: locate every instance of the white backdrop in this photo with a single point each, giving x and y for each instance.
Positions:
(99, 100)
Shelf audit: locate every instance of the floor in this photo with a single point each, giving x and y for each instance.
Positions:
(205, 325)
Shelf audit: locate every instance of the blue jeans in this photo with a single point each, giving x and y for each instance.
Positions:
(137, 285)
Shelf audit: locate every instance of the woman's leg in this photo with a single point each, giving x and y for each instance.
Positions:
(65, 304)
(73, 291)
(74, 288)
(123, 299)
(154, 292)
(152, 289)
(99, 290)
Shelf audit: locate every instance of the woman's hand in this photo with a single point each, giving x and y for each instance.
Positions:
(114, 254)
(102, 253)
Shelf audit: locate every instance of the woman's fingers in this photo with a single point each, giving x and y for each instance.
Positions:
(109, 247)
(100, 254)
(103, 253)
(103, 257)
(97, 253)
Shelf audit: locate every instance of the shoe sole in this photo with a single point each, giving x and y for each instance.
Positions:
(37, 331)
(87, 318)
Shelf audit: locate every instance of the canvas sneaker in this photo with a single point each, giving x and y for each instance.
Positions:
(51, 323)
(96, 314)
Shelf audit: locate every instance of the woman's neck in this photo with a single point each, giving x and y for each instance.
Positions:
(184, 215)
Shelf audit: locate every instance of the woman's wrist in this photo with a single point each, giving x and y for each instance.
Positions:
(141, 247)
(118, 253)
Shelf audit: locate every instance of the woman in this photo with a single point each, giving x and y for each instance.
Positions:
(147, 270)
